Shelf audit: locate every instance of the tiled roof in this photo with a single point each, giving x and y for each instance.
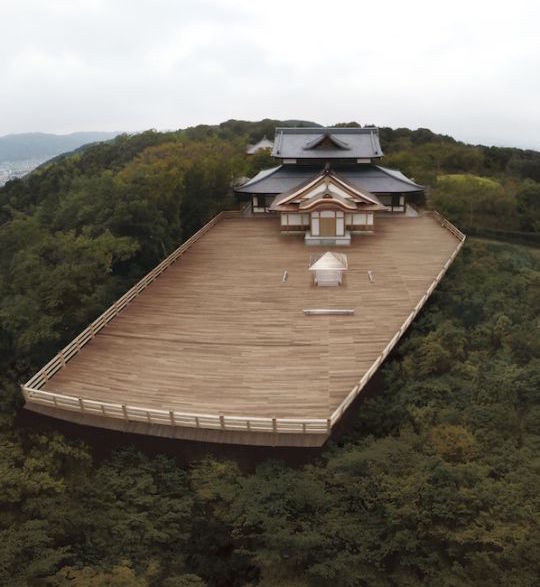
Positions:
(373, 178)
(327, 143)
(264, 143)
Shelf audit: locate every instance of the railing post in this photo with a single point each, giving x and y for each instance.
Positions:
(171, 416)
(222, 422)
(197, 424)
(81, 404)
(328, 424)
(274, 424)
(124, 410)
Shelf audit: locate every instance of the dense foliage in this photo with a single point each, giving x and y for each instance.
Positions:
(435, 480)
(476, 187)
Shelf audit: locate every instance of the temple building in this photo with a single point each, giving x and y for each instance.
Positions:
(263, 145)
(328, 184)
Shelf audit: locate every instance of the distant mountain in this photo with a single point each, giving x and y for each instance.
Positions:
(42, 146)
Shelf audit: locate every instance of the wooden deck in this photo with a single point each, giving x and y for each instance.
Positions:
(220, 333)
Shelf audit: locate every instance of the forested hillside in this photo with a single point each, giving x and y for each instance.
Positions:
(435, 478)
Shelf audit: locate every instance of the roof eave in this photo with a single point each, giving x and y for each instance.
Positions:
(254, 181)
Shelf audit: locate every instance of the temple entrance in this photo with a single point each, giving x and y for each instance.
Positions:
(327, 226)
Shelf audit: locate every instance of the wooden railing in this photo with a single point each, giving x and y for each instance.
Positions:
(174, 418)
(447, 224)
(34, 394)
(340, 410)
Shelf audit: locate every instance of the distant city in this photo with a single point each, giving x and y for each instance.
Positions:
(12, 169)
(22, 153)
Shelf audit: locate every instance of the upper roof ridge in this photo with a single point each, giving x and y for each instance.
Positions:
(340, 143)
(328, 129)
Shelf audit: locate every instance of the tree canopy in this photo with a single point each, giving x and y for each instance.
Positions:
(434, 479)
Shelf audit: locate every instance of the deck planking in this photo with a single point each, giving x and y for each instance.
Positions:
(219, 332)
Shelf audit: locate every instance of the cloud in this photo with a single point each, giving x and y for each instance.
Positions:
(468, 68)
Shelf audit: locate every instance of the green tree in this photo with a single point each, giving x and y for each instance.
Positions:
(528, 206)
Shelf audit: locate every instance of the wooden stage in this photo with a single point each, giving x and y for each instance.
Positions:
(219, 333)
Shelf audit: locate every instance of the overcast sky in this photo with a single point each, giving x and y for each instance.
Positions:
(470, 68)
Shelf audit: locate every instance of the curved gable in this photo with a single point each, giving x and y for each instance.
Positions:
(326, 141)
(327, 188)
